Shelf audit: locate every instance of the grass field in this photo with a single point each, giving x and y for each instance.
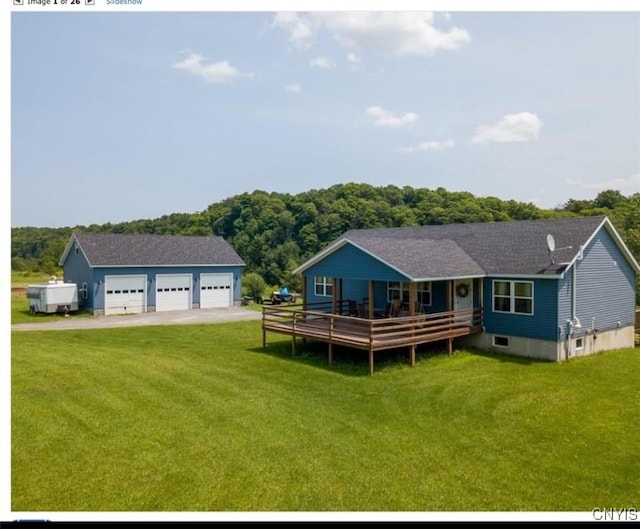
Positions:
(201, 418)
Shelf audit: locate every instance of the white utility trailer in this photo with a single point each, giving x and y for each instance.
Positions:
(54, 296)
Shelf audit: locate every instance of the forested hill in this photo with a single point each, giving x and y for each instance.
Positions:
(275, 232)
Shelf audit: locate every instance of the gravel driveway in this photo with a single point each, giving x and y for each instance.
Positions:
(176, 317)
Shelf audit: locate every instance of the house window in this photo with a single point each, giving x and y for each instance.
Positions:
(323, 286)
(500, 341)
(400, 290)
(513, 296)
(84, 290)
(579, 343)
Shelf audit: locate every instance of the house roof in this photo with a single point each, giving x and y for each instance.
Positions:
(119, 249)
(458, 250)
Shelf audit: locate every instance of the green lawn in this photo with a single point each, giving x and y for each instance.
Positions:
(201, 418)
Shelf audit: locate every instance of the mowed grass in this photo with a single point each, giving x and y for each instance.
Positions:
(201, 418)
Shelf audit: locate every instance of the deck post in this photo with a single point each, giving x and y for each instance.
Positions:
(330, 353)
(264, 338)
(450, 346)
(413, 355)
(370, 360)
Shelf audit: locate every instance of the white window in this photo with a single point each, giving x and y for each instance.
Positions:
(500, 341)
(400, 290)
(323, 286)
(515, 297)
(579, 343)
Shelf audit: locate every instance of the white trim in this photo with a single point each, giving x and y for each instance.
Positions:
(321, 255)
(203, 291)
(72, 239)
(325, 285)
(145, 291)
(512, 297)
(494, 344)
(176, 293)
(616, 239)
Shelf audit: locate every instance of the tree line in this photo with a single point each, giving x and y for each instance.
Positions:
(276, 232)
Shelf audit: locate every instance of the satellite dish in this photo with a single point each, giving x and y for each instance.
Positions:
(551, 243)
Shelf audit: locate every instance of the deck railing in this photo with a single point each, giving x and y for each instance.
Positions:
(372, 334)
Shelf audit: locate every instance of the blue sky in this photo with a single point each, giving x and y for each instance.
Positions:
(123, 116)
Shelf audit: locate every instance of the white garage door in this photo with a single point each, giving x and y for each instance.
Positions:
(124, 294)
(173, 292)
(215, 290)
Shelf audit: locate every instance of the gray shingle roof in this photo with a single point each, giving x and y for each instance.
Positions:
(454, 250)
(115, 249)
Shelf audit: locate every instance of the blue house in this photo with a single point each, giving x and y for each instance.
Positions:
(126, 273)
(549, 289)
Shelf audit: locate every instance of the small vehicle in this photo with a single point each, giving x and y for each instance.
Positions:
(282, 296)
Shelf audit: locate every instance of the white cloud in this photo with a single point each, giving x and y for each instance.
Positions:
(384, 118)
(405, 149)
(390, 32)
(436, 145)
(300, 30)
(429, 146)
(513, 127)
(630, 183)
(353, 58)
(322, 62)
(293, 88)
(218, 72)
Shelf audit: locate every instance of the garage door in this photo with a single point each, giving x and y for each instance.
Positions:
(173, 292)
(124, 294)
(215, 290)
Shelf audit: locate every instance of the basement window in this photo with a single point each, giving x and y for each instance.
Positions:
(579, 343)
(500, 341)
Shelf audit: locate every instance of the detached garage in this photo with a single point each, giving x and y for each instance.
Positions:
(128, 274)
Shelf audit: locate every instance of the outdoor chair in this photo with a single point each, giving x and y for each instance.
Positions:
(394, 309)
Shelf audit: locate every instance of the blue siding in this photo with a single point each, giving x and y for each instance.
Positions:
(351, 263)
(77, 270)
(605, 285)
(542, 324)
(355, 268)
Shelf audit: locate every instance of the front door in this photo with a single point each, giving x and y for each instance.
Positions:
(463, 296)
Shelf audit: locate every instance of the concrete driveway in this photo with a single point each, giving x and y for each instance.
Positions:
(177, 317)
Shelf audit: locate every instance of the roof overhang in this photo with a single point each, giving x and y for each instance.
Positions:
(336, 245)
(341, 243)
(606, 223)
(72, 240)
(181, 265)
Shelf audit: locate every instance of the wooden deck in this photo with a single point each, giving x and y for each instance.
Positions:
(370, 335)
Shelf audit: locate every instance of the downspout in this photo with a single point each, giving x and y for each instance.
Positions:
(574, 322)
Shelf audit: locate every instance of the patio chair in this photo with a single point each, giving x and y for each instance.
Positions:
(394, 309)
